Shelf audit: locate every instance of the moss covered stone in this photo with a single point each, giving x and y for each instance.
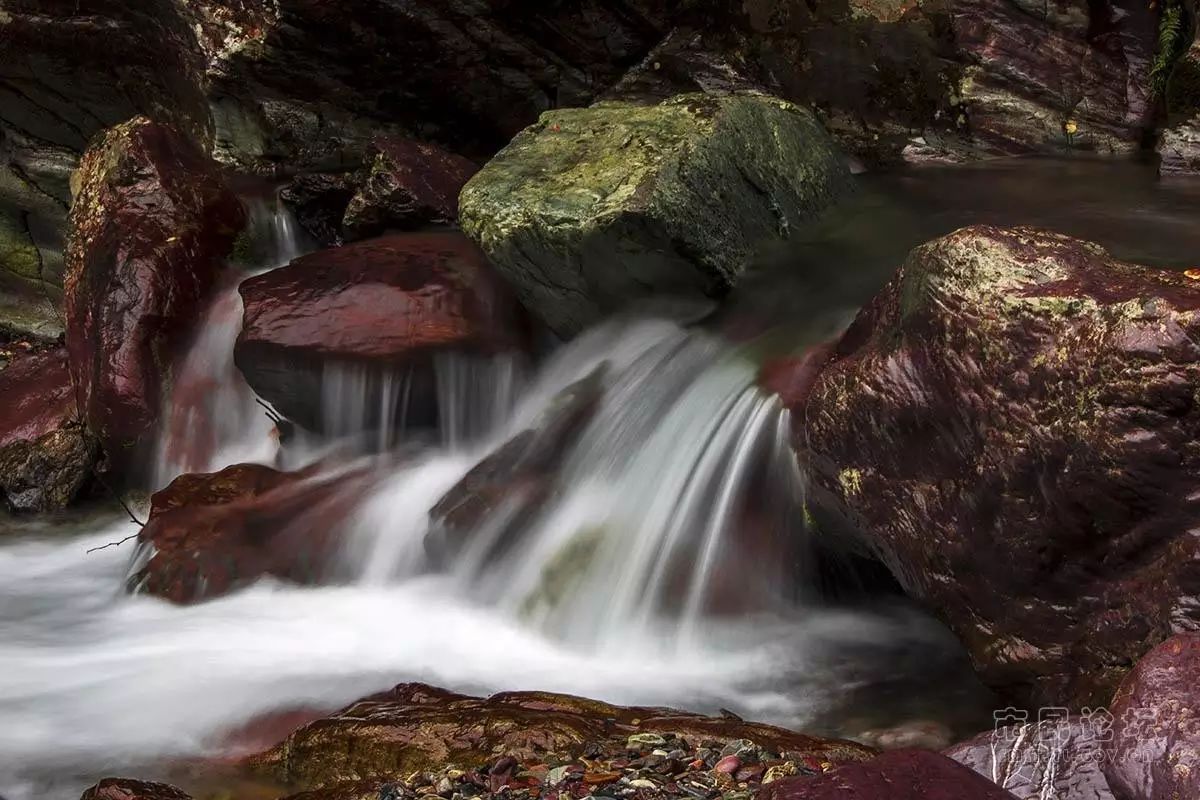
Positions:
(594, 207)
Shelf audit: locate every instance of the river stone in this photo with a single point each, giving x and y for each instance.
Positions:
(1012, 426)
(127, 789)
(592, 208)
(1153, 752)
(45, 458)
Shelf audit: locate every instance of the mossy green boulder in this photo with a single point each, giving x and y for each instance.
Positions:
(592, 208)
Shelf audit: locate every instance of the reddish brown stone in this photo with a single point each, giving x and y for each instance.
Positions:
(389, 303)
(411, 184)
(895, 775)
(792, 378)
(1154, 750)
(415, 727)
(127, 789)
(151, 225)
(211, 534)
(1012, 426)
(45, 459)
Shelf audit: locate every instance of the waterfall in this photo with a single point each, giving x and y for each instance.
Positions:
(658, 492)
(211, 417)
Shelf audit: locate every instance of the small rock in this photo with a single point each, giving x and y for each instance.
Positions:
(645, 741)
(784, 770)
(728, 765)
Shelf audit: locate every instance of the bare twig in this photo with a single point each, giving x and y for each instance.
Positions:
(114, 544)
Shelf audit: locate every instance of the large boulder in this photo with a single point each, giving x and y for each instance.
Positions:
(151, 226)
(895, 775)
(1011, 425)
(592, 208)
(60, 86)
(1059, 758)
(1153, 752)
(1179, 145)
(389, 305)
(417, 727)
(211, 534)
(45, 458)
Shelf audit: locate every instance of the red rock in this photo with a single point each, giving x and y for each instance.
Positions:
(1154, 750)
(793, 377)
(411, 184)
(895, 775)
(211, 534)
(389, 303)
(45, 459)
(151, 225)
(416, 727)
(1011, 424)
(728, 765)
(127, 789)
(1063, 760)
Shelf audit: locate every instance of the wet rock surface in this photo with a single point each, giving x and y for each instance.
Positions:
(1062, 759)
(211, 534)
(151, 226)
(389, 304)
(45, 458)
(127, 789)
(593, 208)
(410, 184)
(1010, 427)
(416, 740)
(896, 775)
(1154, 750)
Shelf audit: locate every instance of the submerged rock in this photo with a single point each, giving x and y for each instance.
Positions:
(45, 458)
(211, 534)
(593, 208)
(1153, 752)
(411, 184)
(510, 738)
(1063, 759)
(1011, 426)
(389, 304)
(152, 223)
(127, 789)
(895, 775)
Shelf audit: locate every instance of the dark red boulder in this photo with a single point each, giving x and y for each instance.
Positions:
(128, 789)
(151, 225)
(895, 775)
(1062, 759)
(1012, 426)
(411, 184)
(45, 458)
(210, 534)
(389, 305)
(1154, 750)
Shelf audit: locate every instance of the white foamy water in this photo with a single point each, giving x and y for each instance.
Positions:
(617, 586)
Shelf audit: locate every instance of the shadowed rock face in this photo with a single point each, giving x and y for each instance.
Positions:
(1031, 67)
(591, 209)
(1154, 751)
(126, 789)
(211, 534)
(151, 225)
(411, 184)
(417, 727)
(895, 775)
(1063, 760)
(388, 303)
(45, 459)
(1011, 425)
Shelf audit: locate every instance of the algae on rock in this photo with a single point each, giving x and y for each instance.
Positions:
(593, 208)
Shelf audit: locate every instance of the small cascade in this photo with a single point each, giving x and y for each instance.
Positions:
(660, 501)
(212, 418)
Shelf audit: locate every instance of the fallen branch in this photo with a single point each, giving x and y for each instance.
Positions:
(114, 544)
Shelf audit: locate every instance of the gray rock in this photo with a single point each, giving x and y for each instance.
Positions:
(593, 208)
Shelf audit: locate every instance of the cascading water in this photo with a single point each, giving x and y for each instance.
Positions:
(212, 418)
(659, 513)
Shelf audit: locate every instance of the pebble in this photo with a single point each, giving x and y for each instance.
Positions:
(728, 765)
(645, 741)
